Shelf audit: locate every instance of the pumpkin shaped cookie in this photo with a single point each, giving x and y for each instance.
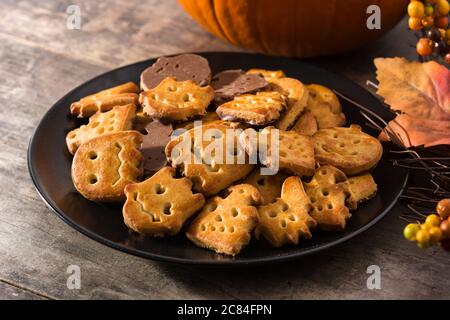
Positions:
(348, 149)
(161, 204)
(173, 101)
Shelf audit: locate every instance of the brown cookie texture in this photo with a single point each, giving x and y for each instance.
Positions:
(175, 101)
(362, 188)
(160, 205)
(295, 151)
(286, 220)
(348, 149)
(231, 83)
(328, 192)
(182, 67)
(120, 118)
(192, 154)
(269, 75)
(297, 99)
(105, 100)
(306, 124)
(269, 186)
(104, 165)
(255, 109)
(153, 146)
(225, 224)
(325, 106)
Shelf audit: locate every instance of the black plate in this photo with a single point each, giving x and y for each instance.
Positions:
(49, 165)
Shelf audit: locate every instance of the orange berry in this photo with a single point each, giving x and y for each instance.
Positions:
(445, 228)
(435, 235)
(423, 237)
(424, 47)
(416, 9)
(433, 220)
(443, 206)
(441, 22)
(442, 7)
(415, 24)
(447, 56)
(428, 22)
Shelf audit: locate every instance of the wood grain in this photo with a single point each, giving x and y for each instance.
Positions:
(42, 60)
(12, 292)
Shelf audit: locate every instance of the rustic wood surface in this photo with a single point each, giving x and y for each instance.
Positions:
(41, 60)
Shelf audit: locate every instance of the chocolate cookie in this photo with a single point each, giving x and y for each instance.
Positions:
(231, 83)
(182, 67)
(153, 145)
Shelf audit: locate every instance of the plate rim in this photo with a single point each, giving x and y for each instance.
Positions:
(175, 260)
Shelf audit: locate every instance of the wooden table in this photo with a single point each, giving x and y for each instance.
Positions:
(41, 60)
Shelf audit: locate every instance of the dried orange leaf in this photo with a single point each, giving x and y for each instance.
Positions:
(421, 90)
(414, 132)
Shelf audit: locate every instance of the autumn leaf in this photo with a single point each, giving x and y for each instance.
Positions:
(421, 90)
(421, 93)
(414, 132)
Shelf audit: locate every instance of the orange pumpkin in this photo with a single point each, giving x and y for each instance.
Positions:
(300, 28)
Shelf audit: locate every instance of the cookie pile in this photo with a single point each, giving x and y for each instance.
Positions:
(129, 151)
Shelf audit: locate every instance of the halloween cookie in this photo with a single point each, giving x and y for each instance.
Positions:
(362, 188)
(173, 101)
(269, 186)
(297, 98)
(106, 100)
(225, 224)
(269, 75)
(182, 67)
(287, 219)
(118, 119)
(325, 106)
(161, 204)
(289, 151)
(256, 109)
(231, 83)
(306, 124)
(328, 192)
(104, 165)
(348, 149)
(204, 156)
